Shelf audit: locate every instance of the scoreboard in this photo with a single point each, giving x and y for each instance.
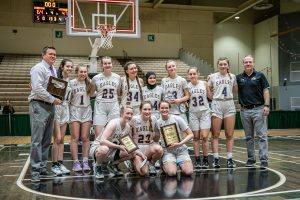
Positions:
(50, 12)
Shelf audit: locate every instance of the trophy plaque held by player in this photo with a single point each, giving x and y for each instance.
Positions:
(170, 134)
(129, 144)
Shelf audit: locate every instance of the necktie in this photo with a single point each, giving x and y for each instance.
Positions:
(52, 71)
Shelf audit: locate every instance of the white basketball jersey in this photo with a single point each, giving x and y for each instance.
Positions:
(106, 87)
(198, 97)
(154, 96)
(180, 125)
(173, 89)
(222, 85)
(141, 132)
(134, 96)
(68, 93)
(117, 133)
(79, 96)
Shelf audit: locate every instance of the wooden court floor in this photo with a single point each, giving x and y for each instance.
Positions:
(280, 181)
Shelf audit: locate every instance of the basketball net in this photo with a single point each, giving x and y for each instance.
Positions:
(106, 33)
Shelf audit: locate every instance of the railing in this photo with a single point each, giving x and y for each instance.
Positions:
(195, 61)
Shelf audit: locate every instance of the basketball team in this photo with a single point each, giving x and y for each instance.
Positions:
(125, 106)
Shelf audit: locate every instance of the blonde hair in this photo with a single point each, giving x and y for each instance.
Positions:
(150, 119)
(89, 86)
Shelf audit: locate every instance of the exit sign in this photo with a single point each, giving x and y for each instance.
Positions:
(151, 38)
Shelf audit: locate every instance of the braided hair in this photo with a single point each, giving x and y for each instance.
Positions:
(127, 78)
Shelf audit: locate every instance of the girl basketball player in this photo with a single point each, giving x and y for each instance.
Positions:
(199, 116)
(107, 148)
(107, 86)
(223, 84)
(152, 93)
(144, 133)
(61, 120)
(176, 154)
(175, 90)
(132, 87)
(80, 116)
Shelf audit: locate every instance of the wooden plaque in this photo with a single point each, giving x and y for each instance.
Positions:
(129, 144)
(170, 134)
(57, 87)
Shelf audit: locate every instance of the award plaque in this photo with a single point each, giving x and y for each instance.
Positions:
(129, 144)
(57, 87)
(170, 134)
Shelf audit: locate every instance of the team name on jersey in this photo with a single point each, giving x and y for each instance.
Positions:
(142, 128)
(110, 83)
(132, 86)
(79, 89)
(197, 91)
(172, 85)
(223, 82)
(151, 95)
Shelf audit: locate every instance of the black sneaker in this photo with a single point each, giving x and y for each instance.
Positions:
(35, 177)
(98, 172)
(197, 164)
(115, 169)
(263, 165)
(230, 163)
(205, 164)
(250, 163)
(216, 163)
(47, 174)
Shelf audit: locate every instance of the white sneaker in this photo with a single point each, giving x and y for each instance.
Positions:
(56, 170)
(63, 169)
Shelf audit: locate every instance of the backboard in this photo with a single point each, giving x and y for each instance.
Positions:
(84, 16)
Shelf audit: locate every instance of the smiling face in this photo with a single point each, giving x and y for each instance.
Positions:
(82, 73)
(146, 110)
(68, 68)
(152, 80)
(132, 71)
(127, 114)
(164, 109)
(171, 68)
(193, 75)
(50, 56)
(107, 65)
(248, 63)
(223, 66)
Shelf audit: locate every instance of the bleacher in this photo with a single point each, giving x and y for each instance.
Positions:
(15, 70)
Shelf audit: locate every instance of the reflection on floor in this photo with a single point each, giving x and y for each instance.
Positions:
(203, 183)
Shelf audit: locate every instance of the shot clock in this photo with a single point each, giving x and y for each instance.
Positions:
(50, 12)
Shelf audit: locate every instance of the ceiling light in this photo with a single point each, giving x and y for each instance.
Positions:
(263, 6)
(236, 17)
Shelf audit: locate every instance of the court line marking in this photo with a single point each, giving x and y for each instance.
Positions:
(279, 183)
(270, 157)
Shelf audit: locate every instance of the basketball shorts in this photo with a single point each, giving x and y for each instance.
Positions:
(62, 114)
(178, 155)
(112, 154)
(80, 114)
(105, 111)
(222, 109)
(200, 120)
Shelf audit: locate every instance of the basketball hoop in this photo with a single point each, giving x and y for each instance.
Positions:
(106, 32)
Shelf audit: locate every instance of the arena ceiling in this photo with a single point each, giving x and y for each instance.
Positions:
(249, 11)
